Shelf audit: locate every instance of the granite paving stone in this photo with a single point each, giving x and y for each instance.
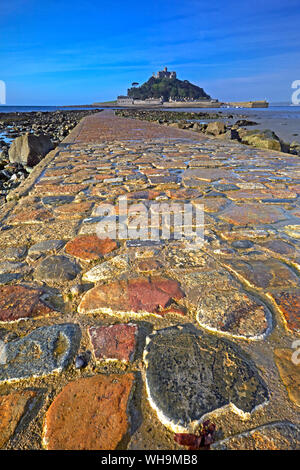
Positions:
(45, 246)
(13, 267)
(265, 274)
(288, 302)
(9, 277)
(108, 270)
(46, 350)
(56, 268)
(252, 214)
(12, 253)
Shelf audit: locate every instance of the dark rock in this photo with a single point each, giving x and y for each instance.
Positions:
(29, 149)
(242, 244)
(82, 360)
(233, 134)
(57, 200)
(14, 253)
(245, 122)
(215, 128)
(13, 267)
(190, 373)
(9, 277)
(56, 268)
(225, 187)
(45, 247)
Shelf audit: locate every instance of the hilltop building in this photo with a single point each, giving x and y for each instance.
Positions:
(164, 74)
(165, 89)
(126, 100)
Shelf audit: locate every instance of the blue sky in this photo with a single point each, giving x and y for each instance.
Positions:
(78, 52)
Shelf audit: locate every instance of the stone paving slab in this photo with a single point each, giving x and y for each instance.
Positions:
(189, 375)
(129, 302)
(12, 408)
(98, 404)
(277, 436)
(44, 351)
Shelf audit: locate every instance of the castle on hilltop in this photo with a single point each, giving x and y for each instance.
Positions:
(165, 89)
(164, 74)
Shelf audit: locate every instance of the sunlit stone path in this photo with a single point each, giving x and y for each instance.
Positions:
(128, 341)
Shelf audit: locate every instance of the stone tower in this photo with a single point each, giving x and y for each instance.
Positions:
(164, 74)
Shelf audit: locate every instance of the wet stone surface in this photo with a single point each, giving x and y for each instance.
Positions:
(44, 351)
(8, 277)
(222, 306)
(288, 303)
(239, 290)
(190, 374)
(139, 295)
(14, 253)
(107, 270)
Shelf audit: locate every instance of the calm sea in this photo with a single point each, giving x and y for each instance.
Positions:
(27, 109)
(272, 112)
(277, 112)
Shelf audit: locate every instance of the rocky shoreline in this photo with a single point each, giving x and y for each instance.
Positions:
(218, 125)
(54, 125)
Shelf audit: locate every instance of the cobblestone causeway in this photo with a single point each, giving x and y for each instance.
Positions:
(137, 340)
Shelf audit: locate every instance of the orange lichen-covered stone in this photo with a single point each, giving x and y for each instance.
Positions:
(136, 295)
(89, 414)
(12, 408)
(288, 303)
(288, 365)
(89, 247)
(18, 302)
